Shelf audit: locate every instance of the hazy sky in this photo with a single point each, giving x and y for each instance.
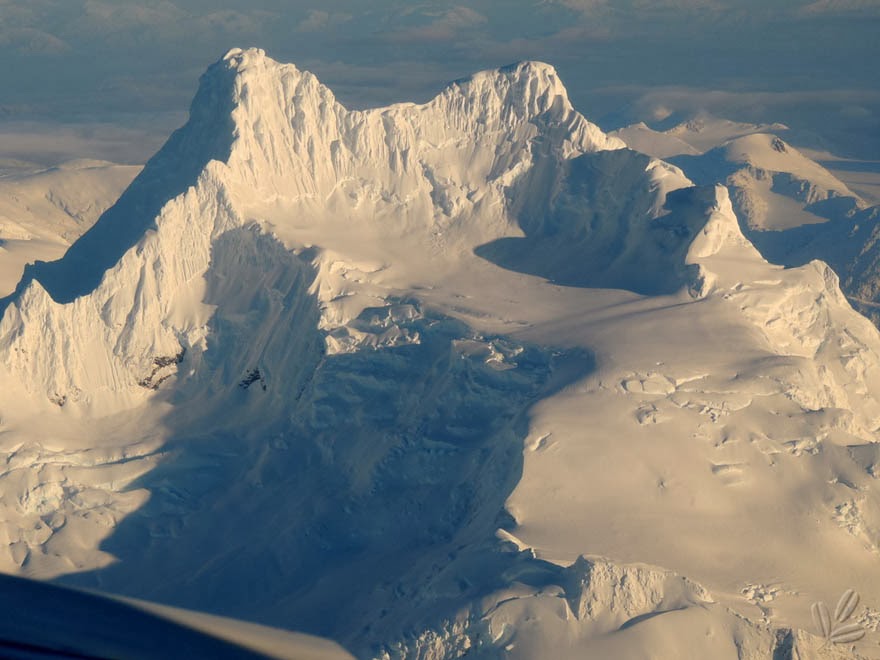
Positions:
(115, 76)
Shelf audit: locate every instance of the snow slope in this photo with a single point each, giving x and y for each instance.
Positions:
(43, 211)
(794, 210)
(775, 187)
(660, 144)
(704, 131)
(694, 136)
(466, 376)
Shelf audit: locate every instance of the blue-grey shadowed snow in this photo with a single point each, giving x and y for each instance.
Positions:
(708, 168)
(362, 486)
(592, 239)
(41, 620)
(169, 173)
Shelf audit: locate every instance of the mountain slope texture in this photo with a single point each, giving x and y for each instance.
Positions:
(467, 377)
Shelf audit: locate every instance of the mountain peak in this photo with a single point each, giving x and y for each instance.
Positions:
(282, 134)
(242, 72)
(532, 86)
(237, 56)
(267, 141)
(294, 139)
(530, 70)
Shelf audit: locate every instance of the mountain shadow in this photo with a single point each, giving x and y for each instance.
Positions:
(598, 228)
(354, 495)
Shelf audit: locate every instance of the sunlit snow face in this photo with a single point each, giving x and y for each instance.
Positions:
(134, 64)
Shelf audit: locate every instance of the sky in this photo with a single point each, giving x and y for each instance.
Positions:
(112, 78)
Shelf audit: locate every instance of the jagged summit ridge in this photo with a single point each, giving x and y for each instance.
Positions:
(531, 87)
(266, 139)
(287, 124)
(525, 89)
(283, 134)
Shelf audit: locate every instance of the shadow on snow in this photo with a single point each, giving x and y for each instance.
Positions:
(596, 229)
(354, 496)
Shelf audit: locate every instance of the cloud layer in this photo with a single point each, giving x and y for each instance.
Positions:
(136, 61)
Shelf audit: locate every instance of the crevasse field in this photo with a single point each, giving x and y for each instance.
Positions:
(470, 378)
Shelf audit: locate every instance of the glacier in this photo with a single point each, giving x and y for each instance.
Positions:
(461, 377)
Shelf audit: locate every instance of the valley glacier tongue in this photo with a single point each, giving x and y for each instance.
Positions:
(316, 353)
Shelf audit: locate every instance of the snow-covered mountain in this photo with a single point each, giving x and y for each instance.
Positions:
(693, 136)
(791, 207)
(467, 376)
(774, 186)
(794, 210)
